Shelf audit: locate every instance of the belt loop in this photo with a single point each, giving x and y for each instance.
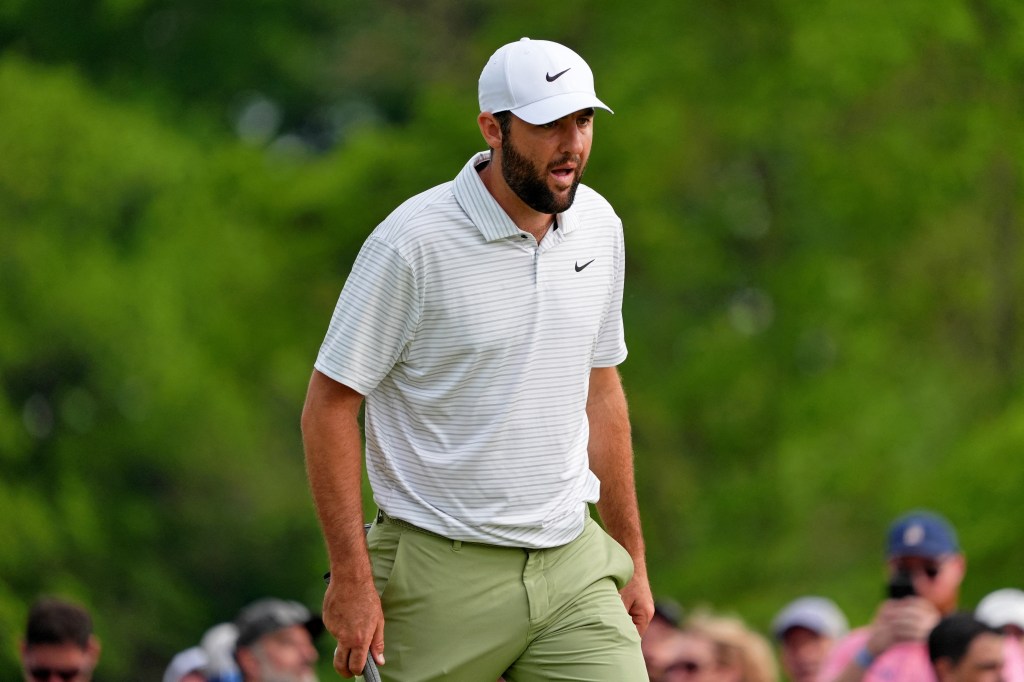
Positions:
(457, 545)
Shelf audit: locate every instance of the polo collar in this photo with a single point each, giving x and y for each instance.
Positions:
(485, 212)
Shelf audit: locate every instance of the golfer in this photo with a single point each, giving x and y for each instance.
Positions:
(481, 324)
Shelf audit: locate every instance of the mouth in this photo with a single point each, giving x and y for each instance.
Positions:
(564, 174)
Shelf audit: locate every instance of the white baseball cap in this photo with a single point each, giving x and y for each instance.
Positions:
(1001, 608)
(818, 614)
(537, 80)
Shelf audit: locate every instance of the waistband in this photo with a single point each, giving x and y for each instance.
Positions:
(383, 518)
(391, 520)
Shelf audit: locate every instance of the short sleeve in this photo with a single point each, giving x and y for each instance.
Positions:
(610, 347)
(374, 320)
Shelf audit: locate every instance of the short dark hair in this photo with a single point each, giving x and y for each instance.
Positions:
(56, 621)
(504, 121)
(954, 634)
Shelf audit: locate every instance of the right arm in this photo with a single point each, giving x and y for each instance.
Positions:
(333, 444)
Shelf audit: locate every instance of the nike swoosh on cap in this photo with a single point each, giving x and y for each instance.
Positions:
(552, 79)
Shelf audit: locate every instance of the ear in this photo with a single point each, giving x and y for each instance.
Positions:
(944, 669)
(247, 662)
(93, 648)
(490, 129)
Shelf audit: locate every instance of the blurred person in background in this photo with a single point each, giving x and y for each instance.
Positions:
(1004, 609)
(59, 643)
(275, 641)
(806, 629)
(482, 323)
(218, 644)
(925, 569)
(741, 654)
(187, 666)
(963, 649)
(665, 622)
(682, 655)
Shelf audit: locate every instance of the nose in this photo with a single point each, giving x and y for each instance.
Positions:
(573, 139)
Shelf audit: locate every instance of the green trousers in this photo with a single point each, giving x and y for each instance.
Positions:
(466, 612)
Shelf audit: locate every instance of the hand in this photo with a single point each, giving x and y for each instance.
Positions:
(902, 620)
(639, 602)
(353, 615)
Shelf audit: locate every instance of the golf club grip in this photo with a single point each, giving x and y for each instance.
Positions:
(370, 673)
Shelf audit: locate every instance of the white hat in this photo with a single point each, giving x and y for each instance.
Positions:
(1002, 607)
(537, 80)
(184, 662)
(817, 614)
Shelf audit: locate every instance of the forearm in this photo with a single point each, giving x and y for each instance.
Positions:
(333, 448)
(611, 460)
(334, 463)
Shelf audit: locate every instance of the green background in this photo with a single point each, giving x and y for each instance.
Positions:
(822, 204)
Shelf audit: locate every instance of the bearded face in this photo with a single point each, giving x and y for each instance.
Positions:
(530, 182)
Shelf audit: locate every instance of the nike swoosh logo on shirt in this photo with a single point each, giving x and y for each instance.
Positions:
(580, 267)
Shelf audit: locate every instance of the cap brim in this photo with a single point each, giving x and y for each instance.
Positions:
(815, 625)
(554, 108)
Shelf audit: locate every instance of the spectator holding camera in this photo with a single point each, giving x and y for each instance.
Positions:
(925, 568)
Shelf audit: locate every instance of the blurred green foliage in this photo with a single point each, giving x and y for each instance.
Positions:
(823, 210)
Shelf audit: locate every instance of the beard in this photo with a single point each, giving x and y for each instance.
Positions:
(271, 673)
(530, 183)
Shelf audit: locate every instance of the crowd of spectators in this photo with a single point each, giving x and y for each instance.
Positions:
(919, 633)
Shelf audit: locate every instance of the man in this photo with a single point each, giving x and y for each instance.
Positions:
(963, 649)
(682, 655)
(275, 642)
(59, 643)
(923, 558)
(1003, 609)
(806, 629)
(482, 324)
(663, 626)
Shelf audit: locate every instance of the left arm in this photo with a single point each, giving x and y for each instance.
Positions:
(611, 460)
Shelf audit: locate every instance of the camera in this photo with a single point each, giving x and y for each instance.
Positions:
(900, 585)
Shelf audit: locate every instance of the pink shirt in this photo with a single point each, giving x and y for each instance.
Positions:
(908, 661)
(903, 662)
(1013, 667)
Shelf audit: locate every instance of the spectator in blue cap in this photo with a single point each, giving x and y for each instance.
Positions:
(925, 568)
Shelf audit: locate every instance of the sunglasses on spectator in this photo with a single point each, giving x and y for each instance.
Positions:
(47, 674)
(930, 569)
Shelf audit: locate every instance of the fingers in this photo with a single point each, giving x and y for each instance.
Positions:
(377, 645)
(341, 662)
(352, 662)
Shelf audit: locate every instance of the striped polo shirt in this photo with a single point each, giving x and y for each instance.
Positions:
(473, 346)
